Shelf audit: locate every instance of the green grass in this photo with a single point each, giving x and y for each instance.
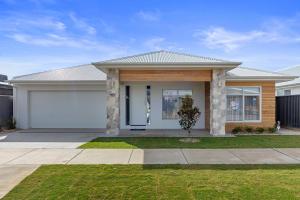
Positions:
(160, 182)
(205, 142)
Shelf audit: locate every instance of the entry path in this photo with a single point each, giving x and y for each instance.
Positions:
(149, 156)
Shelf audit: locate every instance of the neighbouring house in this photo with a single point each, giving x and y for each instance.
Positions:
(143, 92)
(291, 87)
(6, 100)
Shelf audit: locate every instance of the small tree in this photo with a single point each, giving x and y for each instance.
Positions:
(188, 114)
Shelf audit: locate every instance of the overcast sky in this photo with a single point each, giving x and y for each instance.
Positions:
(39, 35)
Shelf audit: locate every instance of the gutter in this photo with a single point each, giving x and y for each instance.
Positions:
(71, 82)
(275, 78)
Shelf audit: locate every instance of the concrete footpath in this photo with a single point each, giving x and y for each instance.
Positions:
(149, 156)
(16, 164)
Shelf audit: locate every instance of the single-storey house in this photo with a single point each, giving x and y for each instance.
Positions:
(291, 87)
(143, 92)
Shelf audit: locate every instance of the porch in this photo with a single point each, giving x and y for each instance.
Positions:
(149, 99)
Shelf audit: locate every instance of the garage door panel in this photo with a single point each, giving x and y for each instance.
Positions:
(67, 109)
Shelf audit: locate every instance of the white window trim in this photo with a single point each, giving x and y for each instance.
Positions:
(260, 105)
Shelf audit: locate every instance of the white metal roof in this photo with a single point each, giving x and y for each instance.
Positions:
(244, 73)
(157, 58)
(77, 73)
(294, 71)
(91, 73)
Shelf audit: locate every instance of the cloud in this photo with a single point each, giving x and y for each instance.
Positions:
(284, 31)
(29, 23)
(159, 43)
(37, 2)
(48, 40)
(106, 27)
(149, 15)
(218, 37)
(54, 40)
(154, 43)
(82, 25)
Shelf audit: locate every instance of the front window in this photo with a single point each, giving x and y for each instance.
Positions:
(243, 103)
(171, 102)
(287, 92)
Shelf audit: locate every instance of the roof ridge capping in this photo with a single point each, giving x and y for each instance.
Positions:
(196, 56)
(164, 57)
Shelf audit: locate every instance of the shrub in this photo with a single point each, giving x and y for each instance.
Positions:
(249, 129)
(237, 129)
(188, 114)
(259, 130)
(272, 129)
(11, 123)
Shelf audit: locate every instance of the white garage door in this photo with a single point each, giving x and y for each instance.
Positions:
(67, 109)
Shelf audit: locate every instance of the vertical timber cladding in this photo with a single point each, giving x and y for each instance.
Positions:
(267, 104)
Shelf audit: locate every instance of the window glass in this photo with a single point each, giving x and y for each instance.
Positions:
(171, 101)
(234, 108)
(287, 92)
(170, 92)
(234, 91)
(148, 103)
(251, 90)
(252, 108)
(184, 92)
(280, 92)
(243, 103)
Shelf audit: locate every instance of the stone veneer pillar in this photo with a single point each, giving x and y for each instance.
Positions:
(113, 102)
(217, 102)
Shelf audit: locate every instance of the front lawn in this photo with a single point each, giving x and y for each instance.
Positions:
(261, 141)
(160, 182)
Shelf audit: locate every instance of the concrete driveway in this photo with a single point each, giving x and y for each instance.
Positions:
(12, 175)
(47, 139)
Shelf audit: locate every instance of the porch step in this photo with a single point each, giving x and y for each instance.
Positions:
(137, 127)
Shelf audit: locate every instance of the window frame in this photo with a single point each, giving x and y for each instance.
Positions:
(162, 101)
(243, 110)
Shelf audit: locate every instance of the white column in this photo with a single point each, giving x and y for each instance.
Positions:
(217, 102)
(113, 102)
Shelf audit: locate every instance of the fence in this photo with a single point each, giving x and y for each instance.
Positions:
(288, 110)
(6, 108)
